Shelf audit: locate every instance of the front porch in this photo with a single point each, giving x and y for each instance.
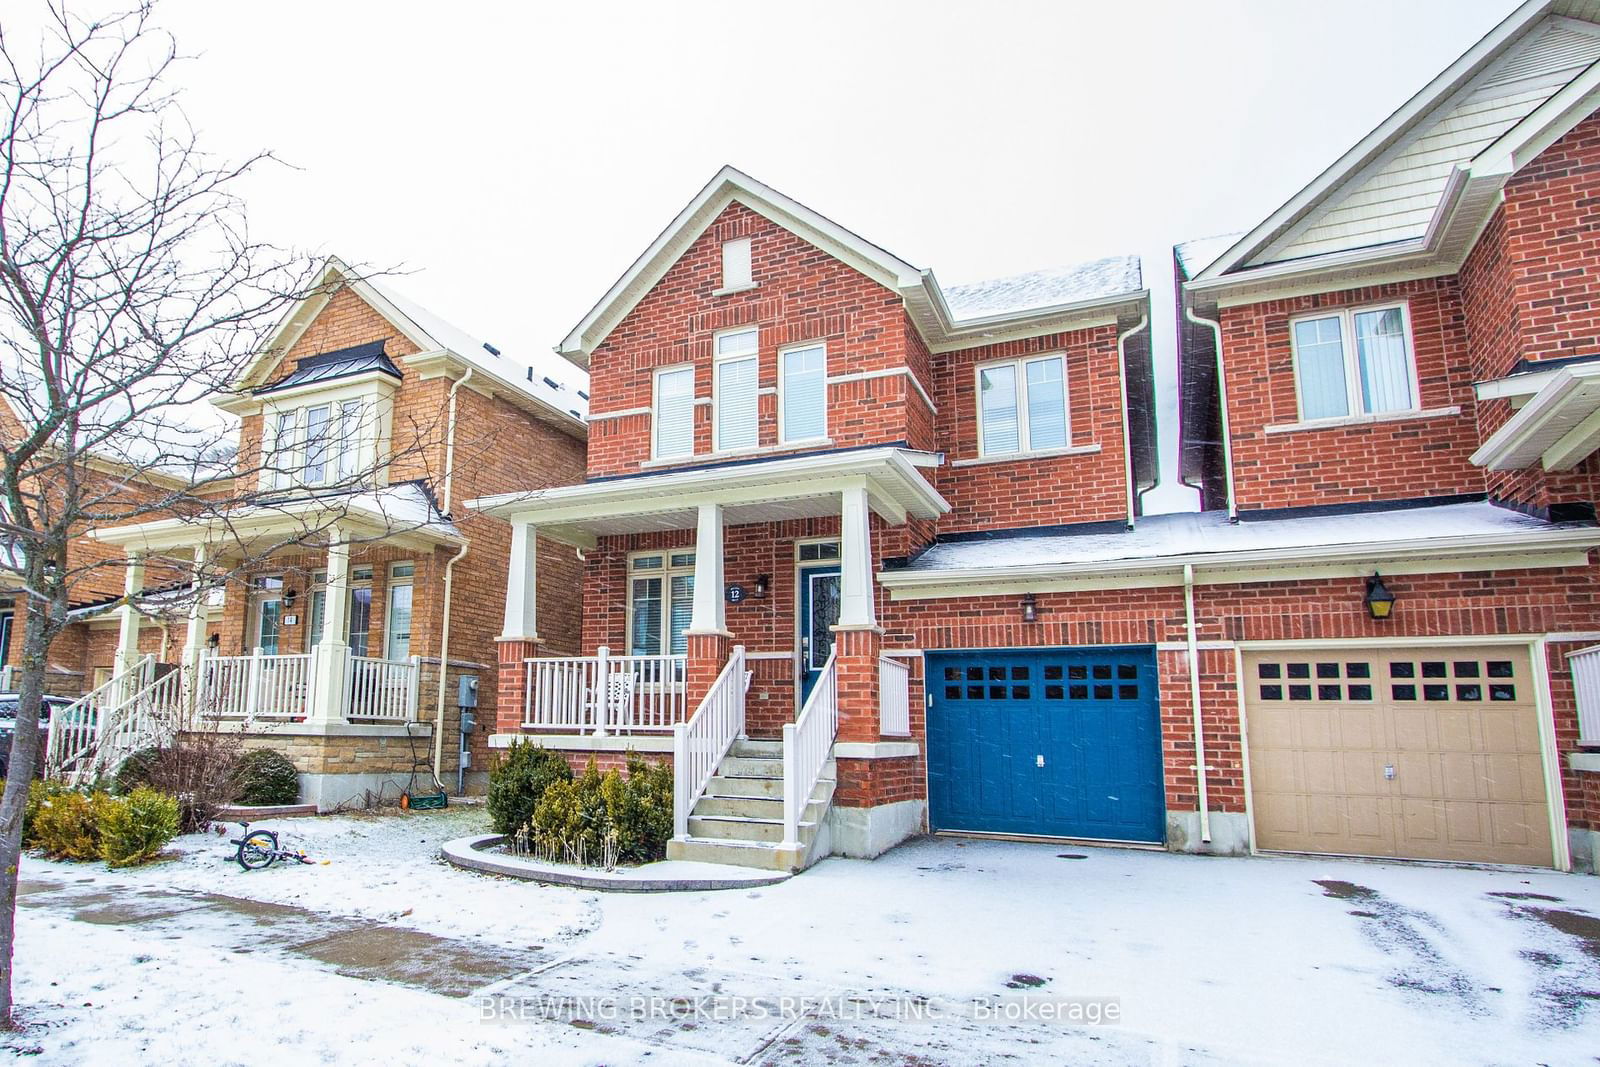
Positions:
(773, 693)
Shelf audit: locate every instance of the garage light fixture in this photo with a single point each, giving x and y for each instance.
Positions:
(1030, 608)
(1380, 602)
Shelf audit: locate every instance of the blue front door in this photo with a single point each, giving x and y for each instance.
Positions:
(819, 611)
(1061, 742)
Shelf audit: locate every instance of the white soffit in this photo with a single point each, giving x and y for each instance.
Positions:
(1558, 427)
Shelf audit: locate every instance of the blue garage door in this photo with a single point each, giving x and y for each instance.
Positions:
(1063, 742)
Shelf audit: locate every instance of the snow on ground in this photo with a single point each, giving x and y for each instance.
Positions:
(379, 866)
(1210, 960)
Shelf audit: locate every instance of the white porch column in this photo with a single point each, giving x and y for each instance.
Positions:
(522, 585)
(332, 655)
(128, 636)
(856, 608)
(709, 616)
(194, 638)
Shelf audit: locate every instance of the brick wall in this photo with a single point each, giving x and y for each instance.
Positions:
(1411, 457)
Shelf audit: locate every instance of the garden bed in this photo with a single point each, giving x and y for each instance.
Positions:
(482, 852)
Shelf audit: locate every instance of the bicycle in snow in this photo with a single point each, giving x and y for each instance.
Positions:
(259, 849)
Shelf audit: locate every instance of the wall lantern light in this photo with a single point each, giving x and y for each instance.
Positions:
(1030, 608)
(763, 583)
(1380, 602)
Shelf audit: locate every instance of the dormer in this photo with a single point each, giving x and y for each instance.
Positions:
(327, 423)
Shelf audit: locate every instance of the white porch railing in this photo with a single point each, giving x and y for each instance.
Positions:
(699, 745)
(1585, 664)
(894, 697)
(257, 686)
(74, 732)
(133, 710)
(604, 694)
(383, 689)
(806, 744)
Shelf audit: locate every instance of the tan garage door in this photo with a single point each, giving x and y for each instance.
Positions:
(1427, 753)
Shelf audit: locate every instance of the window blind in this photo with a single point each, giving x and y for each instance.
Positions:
(1047, 404)
(675, 412)
(736, 404)
(997, 401)
(1385, 363)
(1319, 362)
(805, 394)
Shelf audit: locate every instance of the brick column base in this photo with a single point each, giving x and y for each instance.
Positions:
(708, 654)
(511, 681)
(855, 654)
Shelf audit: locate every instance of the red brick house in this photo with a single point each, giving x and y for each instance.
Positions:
(1397, 373)
(361, 595)
(788, 424)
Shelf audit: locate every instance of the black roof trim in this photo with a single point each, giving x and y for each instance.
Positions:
(1358, 507)
(1580, 512)
(1534, 366)
(1071, 529)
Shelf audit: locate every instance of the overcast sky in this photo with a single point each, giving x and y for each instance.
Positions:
(519, 156)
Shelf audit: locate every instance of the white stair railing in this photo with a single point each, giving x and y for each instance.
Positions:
(894, 697)
(151, 716)
(806, 744)
(700, 745)
(74, 731)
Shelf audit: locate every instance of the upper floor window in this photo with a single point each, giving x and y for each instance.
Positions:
(736, 271)
(316, 445)
(674, 414)
(735, 391)
(1355, 361)
(803, 393)
(1022, 406)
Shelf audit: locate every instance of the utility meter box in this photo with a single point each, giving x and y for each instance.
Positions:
(467, 691)
(469, 721)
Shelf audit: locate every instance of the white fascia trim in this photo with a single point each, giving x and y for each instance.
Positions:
(1519, 386)
(1450, 80)
(954, 335)
(386, 383)
(266, 520)
(442, 362)
(727, 185)
(1440, 549)
(1543, 127)
(1500, 450)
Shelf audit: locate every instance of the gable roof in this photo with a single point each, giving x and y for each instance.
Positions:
(1028, 305)
(1419, 187)
(548, 386)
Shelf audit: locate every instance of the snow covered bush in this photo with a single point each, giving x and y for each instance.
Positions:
(134, 828)
(67, 825)
(263, 777)
(517, 782)
(603, 819)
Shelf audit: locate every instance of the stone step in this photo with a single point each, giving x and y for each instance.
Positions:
(738, 828)
(726, 786)
(745, 807)
(752, 767)
(737, 853)
(757, 749)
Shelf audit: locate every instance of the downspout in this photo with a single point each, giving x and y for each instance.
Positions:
(449, 585)
(1222, 403)
(1127, 443)
(1194, 697)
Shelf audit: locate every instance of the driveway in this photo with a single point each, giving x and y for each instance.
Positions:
(944, 951)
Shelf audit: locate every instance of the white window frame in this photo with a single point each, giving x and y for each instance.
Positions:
(748, 281)
(359, 419)
(1355, 397)
(396, 579)
(783, 355)
(666, 572)
(1019, 363)
(717, 361)
(655, 410)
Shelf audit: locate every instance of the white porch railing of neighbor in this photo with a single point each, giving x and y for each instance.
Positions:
(131, 711)
(1585, 664)
(74, 732)
(894, 697)
(699, 745)
(383, 688)
(603, 694)
(806, 744)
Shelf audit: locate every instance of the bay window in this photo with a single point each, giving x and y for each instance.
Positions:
(317, 445)
(734, 391)
(1355, 361)
(803, 393)
(674, 412)
(660, 603)
(1022, 406)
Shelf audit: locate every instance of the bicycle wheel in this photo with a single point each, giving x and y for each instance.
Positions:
(257, 850)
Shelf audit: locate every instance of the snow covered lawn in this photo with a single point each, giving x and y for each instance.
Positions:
(368, 958)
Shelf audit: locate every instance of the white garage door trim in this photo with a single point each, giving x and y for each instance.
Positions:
(1534, 643)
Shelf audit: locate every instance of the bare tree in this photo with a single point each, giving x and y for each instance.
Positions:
(132, 290)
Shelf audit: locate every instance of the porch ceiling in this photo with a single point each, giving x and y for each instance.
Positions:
(795, 487)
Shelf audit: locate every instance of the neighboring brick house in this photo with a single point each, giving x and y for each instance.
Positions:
(364, 422)
(1398, 372)
(786, 419)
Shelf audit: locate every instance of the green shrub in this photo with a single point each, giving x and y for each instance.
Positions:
(135, 771)
(519, 780)
(40, 791)
(67, 825)
(134, 828)
(597, 816)
(263, 776)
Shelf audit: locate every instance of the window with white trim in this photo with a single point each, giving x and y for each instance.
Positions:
(736, 270)
(660, 603)
(1355, 361)
(734, 392)
(316, 445)
(1022, 406)
(674, 412)
(803, 393)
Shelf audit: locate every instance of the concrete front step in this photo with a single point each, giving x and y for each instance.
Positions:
(738, 853)
(745, 807)
(728, 786)
(742, 828)
(757, 749)
(752, 767)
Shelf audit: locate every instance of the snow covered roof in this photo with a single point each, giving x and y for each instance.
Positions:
(1052, 287)
(1196, 255)
(1166, 542)
(545, 376)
